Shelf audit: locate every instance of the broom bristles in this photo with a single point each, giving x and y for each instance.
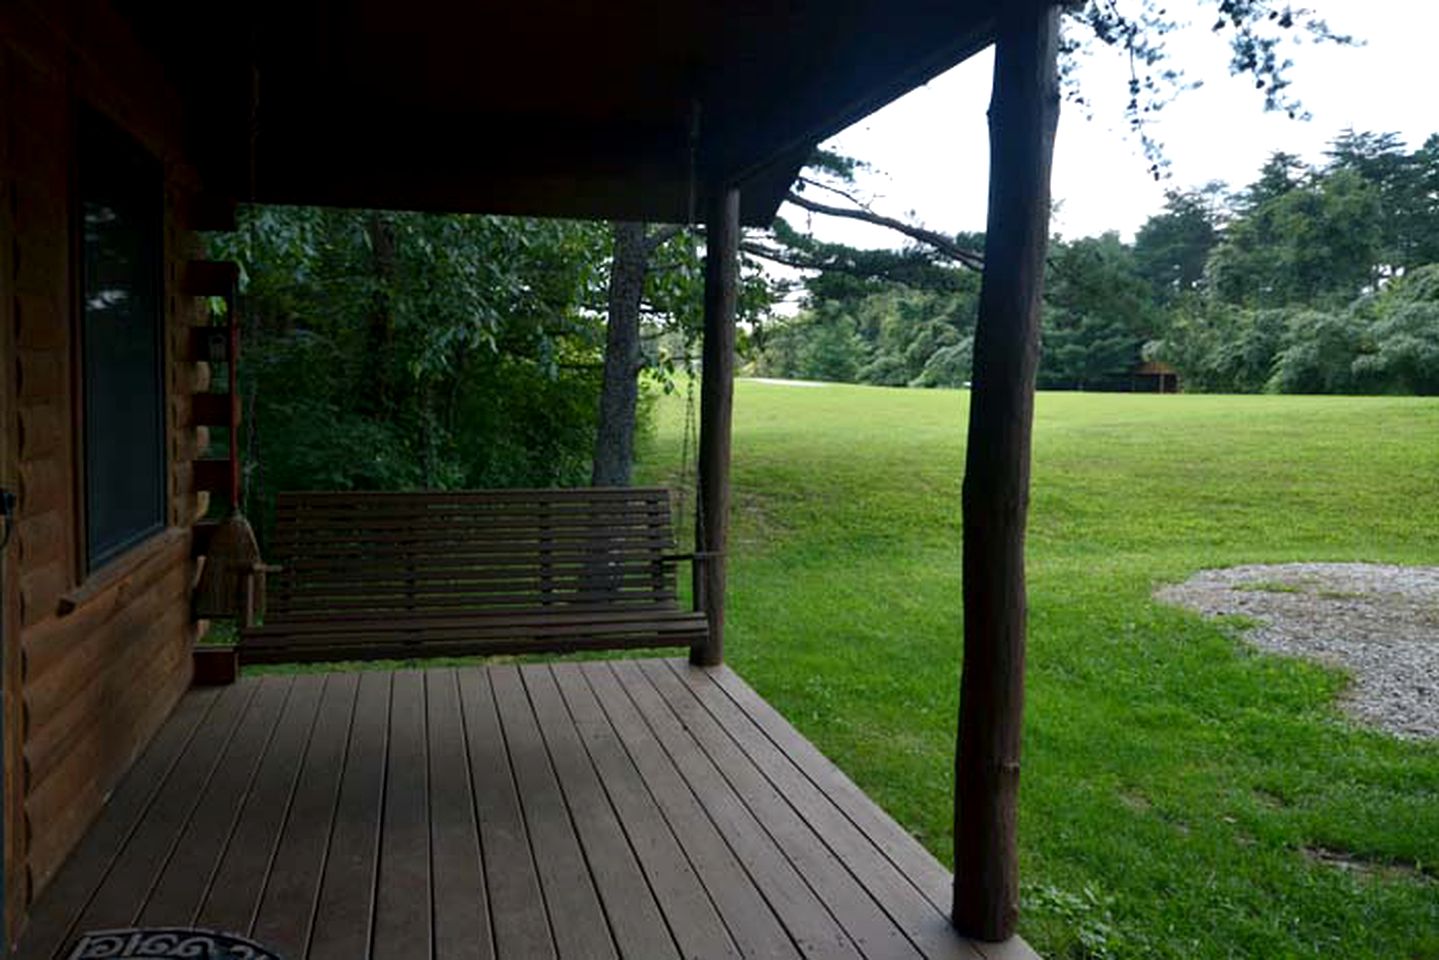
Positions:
(232, 556)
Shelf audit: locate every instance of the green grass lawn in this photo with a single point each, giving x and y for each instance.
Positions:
(1182, 795)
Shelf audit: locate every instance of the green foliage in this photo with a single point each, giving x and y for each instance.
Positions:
(399, 350)
(1172, 247)
(1404, 334)
(1384, 342)
(1318, 356)
(1098, 311)
(1172, 776)
(1318, 242)
(887, 335)
(1296, 284)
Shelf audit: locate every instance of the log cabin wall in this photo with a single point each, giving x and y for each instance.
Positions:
(97, 660)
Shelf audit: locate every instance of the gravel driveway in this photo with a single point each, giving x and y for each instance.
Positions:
(1378, 623)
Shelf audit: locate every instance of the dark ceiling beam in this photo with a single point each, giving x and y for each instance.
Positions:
(523, 102)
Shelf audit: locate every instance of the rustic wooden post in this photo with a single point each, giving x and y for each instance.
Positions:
(1022, 116)
(716, 406)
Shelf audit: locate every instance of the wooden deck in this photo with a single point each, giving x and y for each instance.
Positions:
(629, 808)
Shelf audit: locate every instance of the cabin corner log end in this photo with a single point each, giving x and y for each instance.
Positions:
(1023, 115)
(716, 409)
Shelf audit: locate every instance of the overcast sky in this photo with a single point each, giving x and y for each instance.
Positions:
(930, 148)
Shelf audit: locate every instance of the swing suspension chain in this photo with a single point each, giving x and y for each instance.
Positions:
(689, 478)
(251, 470)
(689, 439)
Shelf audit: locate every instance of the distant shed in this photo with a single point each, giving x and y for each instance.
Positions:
(1154, 376)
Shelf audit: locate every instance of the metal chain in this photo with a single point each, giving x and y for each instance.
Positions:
(690, 438)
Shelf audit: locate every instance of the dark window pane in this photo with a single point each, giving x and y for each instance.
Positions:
(121, 201)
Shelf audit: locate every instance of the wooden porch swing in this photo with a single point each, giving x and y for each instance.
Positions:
(368, 575)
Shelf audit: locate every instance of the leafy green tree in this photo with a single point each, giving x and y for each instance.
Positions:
(1243, 358)
(1318, 243)
(1281, 174)
(818, 344)
(1407, 185)
(1426, 198)
(1172, 247)
(1402, 354)
(1318, 356)
(398, 350)
(1098, 313)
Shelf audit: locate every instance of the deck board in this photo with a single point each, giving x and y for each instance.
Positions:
(576, 916)
(562, 811)
(233, 893)
(345, 914)
(234, 890)
(121, 895)
(907, 854)
(900, 899)
(402, 896)
(692, 917)
(629, 903)
(461, 904)
(812, 926)
(873, 933)
(517, 906)
(181, 887)
(291, 879)
(53, 915)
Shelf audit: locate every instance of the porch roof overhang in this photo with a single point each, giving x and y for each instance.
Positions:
(632, 109)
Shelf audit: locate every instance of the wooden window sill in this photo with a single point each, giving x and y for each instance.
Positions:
(122, 568)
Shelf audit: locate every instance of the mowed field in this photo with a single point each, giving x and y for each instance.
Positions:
(1182, 796)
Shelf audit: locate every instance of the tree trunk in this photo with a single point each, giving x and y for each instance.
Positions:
(1023, 114)
(716, 408)
(619, 392)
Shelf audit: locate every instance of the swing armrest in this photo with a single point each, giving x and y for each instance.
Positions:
(699, 556)
(253, 600)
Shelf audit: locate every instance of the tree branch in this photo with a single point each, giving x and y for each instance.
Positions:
(837, 192)
(894, 273)
(659, 237)
(938, 241)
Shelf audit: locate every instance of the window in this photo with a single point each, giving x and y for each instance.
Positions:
(121, 289)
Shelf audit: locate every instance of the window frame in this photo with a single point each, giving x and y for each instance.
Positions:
(88, 125)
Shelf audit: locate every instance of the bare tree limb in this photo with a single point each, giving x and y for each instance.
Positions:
(810, 182)
(776, 256)
(938, 241)
(824, 265)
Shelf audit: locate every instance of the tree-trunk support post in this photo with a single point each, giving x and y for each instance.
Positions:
(716, 406)
(1024, 111)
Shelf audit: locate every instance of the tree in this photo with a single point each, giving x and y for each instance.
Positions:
(1407, 187)
(1282, 174)
(1318, 356)
(1172, 247)
(401, 350)
(634, 245)
(1084, 343)
(1259, 32)
(1319, 242)
(1426, 198)
(1098, 313)
(1402, 350)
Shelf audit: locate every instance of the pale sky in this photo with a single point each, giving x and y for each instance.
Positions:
(930, 147)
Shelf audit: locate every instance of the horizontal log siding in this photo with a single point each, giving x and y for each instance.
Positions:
(102, 662)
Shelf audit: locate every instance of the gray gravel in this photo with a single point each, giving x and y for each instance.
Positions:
(1378, 623)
